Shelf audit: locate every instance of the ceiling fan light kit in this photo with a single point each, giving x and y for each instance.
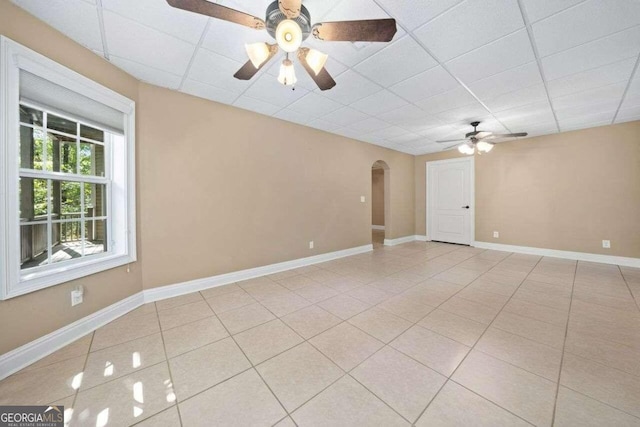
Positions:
(289, 23)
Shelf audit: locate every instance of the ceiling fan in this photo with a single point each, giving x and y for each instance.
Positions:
(289, 23)
(479, 139)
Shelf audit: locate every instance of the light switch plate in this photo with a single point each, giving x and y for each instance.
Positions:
(362, 199)
(311, 244)
(496, 234)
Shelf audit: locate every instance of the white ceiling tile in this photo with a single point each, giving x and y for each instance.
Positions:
(587, 121)
(583, 23)
(628, 114)
(407, 114)
(146, 73)
(540, 9)
(349, 133)
(455, 98)
(369, 125)
(209, 92)
(606, 109)
(507, 82)
(292, 116)
(324, 125)
(228, 39)
(267, 88)
(520, 118)
(441, 132)
(425, 85)
(398, 61)
(605, 94)
(77, 19)
(493, 58)
(470, 25)
(387, 133)
(159, 15)
(625, 44)
(351, 87)
(345, 116)
(314, 105)
(379, 103)
(601, 76)
(414, 13)
(467, 114)
(217, 70)
(136, 42)
(526, 96)
(256, 105)
(407, 139)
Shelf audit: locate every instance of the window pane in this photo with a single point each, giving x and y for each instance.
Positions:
(33, 245)
(33, 199)
(96, 237)
(68, 245)
(31, 155)
(91, 159)
(66, 199)
(95, 200)
(62, 125)
(30, 116)
(65, 153)
(91, 133)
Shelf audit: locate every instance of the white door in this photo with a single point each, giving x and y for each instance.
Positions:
(450, 201)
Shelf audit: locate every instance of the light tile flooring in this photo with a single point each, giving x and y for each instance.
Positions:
(422, 333)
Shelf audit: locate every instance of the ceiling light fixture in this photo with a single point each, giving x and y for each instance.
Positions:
(466, 149)
(484, 147)
(287, 73)
(316, 60)
(258, 53)
(289, 35)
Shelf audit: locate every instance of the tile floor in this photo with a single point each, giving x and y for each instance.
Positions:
(418, 334)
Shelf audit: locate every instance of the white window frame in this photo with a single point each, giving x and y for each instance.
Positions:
(121, 202)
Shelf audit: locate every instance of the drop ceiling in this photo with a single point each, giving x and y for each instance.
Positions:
(537, 66)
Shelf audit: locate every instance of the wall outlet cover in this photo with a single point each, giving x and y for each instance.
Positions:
(606, 244)
(496, 234)
(311, 244)
(362, 199)
(76, 297)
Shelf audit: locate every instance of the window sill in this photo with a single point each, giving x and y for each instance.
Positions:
(66, 273)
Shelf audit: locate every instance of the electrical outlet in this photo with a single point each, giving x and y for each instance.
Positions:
(362, 199)
(496, 234)
(606, 244)
(77, 296)
(311, 244)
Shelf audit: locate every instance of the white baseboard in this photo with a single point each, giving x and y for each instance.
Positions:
(579, 256)
(29, 353)
(420, 238)
(377, 227)
(400, 240)
(171, 291)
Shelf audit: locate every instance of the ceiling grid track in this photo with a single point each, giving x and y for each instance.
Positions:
(626, 89)
(195, 53)
(103, 33)
(534, 46)
(442, 64)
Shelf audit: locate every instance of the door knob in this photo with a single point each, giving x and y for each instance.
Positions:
(465, 207)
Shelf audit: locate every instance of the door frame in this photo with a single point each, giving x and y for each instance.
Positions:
(472, 193)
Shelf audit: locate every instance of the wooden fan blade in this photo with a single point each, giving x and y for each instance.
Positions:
(290, 8)
(451, 140)
(323, 79)
(371, 30)
(215, 10)
(248, 70)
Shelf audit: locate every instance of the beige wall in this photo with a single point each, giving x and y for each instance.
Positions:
(224, 189)
(31, 316)
(377, 196)
(567, 191)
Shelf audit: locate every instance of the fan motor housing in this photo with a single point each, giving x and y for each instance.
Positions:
(275, 16)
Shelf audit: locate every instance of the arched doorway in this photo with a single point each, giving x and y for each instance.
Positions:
(380, 215)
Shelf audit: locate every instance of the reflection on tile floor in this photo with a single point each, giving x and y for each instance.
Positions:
(417, 334)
